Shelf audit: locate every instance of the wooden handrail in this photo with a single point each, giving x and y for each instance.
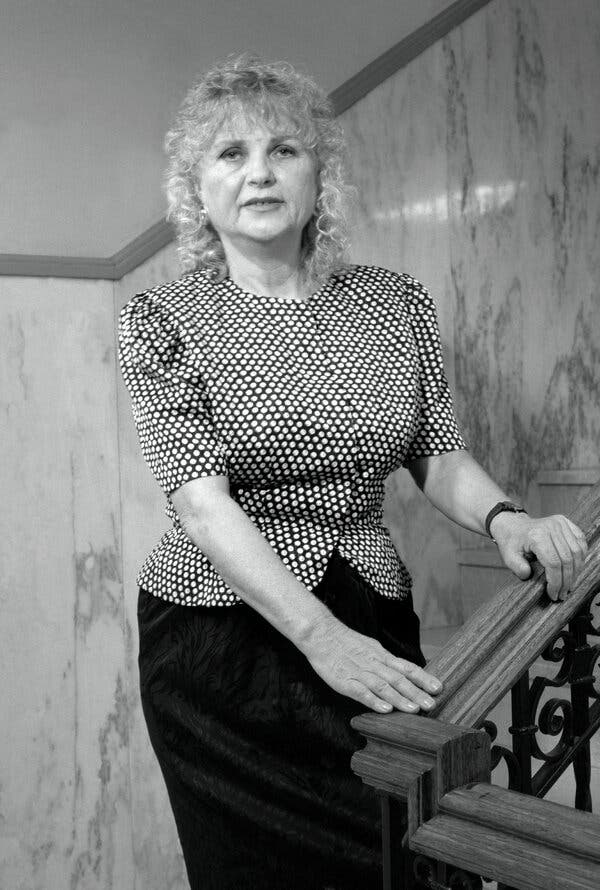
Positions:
(521, 840)
(489, 653)
(480, 827)
(484, 659)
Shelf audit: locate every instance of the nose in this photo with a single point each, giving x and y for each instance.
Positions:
(260, 171)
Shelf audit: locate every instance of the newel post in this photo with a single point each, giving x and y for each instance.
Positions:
(412, 761)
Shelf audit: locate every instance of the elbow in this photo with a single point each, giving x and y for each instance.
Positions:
(199, 520)
(432, 472)
(193, 520)
(199, 504)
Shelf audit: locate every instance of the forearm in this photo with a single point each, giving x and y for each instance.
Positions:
(458, 486)
(250, 566)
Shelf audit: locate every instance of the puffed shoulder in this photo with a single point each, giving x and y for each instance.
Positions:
(401, 284)
(146, 333)
(150, 322)
(415, 293)
(401, 281)
(419, 302)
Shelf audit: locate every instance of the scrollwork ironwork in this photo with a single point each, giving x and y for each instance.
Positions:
(556, 653)
(590, 614)
(500, 753)
(464, 880)
(555, 719)
(594, 669)
(569, 721)
(424, 870)
(455, 878)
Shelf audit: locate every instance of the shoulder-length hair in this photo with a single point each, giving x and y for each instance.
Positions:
(268, 92)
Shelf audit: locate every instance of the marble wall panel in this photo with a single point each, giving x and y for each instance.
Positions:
(523, 143)
(157, 854)
(64, 765)
(478, 171)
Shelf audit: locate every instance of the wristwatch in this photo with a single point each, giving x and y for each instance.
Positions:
(501, 507)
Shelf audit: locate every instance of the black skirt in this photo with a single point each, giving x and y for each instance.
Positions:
(255, 747)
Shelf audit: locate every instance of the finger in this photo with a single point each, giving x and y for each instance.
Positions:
(567, 561)
(518, 564)
(554, 582)
(397, 689)
(578, 532)
(549, 558)
(366, 696)
(415, 674)
(579, 536)
(411, 692)
(579, 552)
(390, 694)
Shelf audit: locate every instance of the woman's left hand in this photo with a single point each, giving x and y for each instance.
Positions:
(557, 543)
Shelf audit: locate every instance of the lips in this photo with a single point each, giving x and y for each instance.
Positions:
(253, 202)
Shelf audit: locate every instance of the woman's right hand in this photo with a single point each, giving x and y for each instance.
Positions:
(361, 668)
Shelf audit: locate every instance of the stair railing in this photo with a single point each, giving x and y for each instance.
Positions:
(443, 822)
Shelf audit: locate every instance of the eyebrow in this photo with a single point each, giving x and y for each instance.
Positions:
(285, 137)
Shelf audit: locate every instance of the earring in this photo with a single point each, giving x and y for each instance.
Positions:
(203, 215)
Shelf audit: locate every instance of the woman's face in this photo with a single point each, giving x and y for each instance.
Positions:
(258, 184)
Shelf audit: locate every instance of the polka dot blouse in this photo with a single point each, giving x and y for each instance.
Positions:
(306, 407)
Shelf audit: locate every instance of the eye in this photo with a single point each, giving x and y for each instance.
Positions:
(285, 151)
(230, 154)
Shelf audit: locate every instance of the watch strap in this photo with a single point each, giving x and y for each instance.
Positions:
(501, 507)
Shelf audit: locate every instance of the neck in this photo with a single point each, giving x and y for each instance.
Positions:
(262, 272)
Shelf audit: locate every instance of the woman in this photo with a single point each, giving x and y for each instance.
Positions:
(274, 388)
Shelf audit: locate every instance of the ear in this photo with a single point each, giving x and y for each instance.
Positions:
(198, 189)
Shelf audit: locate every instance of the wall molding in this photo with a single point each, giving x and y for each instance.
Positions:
(161, 233)
(110, 268)
(402, 53)
(574, 476)
(142, 248)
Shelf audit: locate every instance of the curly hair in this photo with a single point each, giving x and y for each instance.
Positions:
(268, 92)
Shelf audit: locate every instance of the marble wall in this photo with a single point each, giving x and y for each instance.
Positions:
(82, 802)
(477, 167)
(66, 653)
(156, 850)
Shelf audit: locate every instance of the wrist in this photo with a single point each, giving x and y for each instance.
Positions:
(313, 632)
(498, 509)
(504, 523)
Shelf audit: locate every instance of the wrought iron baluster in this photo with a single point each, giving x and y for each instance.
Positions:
(581, 683)
(571, 720)
(522, 729)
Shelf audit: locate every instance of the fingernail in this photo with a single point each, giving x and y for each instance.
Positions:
(436, 686)
(428, 702)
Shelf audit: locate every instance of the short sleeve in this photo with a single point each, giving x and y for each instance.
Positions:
(169, 401)
(437, 430)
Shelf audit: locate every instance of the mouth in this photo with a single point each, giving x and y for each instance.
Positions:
(260, 202)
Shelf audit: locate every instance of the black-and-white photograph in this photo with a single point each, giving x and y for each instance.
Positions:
(300, 464)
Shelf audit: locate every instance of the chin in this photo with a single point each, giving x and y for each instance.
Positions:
(267, 233)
